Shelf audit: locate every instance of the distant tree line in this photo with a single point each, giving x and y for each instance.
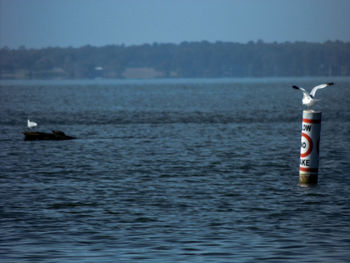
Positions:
(185, 60)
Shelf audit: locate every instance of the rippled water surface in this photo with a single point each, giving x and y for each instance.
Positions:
(172, 171)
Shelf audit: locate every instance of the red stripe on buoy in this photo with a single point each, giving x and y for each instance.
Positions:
(311, 121)
(310, 145)
(312, 170)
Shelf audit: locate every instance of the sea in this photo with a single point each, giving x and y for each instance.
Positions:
(172, 170)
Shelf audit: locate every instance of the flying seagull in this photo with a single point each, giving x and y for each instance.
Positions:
(309, 98)
(31, 124)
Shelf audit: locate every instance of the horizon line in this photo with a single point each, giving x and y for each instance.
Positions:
(259, 41)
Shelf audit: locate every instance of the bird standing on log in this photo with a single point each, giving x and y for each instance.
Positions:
(31, 124)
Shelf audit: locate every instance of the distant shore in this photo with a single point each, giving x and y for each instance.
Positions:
(185, 60)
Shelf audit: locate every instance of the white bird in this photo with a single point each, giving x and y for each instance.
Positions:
(309, 98)
(31, 124)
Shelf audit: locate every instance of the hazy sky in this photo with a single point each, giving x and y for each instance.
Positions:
(43, 23)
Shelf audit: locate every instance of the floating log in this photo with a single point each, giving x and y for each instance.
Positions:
(54, 135)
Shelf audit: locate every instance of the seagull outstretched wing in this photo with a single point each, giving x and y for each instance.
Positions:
(303, 90)
(321, 86)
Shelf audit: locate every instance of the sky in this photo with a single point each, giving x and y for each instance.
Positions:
(75, 23)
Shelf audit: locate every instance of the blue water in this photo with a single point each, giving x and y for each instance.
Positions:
(172, 171)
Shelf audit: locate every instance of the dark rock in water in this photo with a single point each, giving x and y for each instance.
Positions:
(55, 135)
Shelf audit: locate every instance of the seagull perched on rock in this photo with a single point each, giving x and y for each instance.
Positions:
(31, 124)
(309, 98)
